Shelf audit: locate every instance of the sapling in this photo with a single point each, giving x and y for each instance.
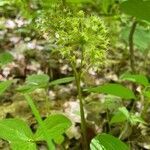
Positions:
(81, 39)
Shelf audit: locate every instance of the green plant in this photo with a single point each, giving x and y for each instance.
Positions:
(122, 115)
(143, 81)
(81, 40)
(19, 134)
(136, 11)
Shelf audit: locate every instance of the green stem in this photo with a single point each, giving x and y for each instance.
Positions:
(145, 103)
(40, 121)
(145, 58)
(131, 46)
(82, 114)
(124, 130)
(107, 113)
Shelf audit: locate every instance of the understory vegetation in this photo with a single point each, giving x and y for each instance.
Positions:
(74, 75)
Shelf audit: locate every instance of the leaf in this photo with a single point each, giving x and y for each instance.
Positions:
(121, 116)
(27, 88)
(18, 133)
(62, 81)
(134, 119)
(38, 80)
(107, 142)
(113, 89)
(59, 139)
(106, 4)
(4, 85)
(5, 58)
(15, 130)
(21, 145)
(137, 78)
(141, 37)
(34, 82)
(137, 8)
(112, 102)
(147, 94)
(56, 125)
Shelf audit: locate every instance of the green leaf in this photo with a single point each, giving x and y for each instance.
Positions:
(34, 82)
(62, 81)
(107, 142)
(23, 145)
(106, 4)
(121, 115)
(15, 130)
(137, 78)
(137, 8)
(4, 85)
(147, 94)
(113, 89)
(5, 58)
(141, 37)
(56, 125)
(124, 115)
(37, 80)
(134, 119)
(112, 102)
(27, 88)
(59, 139)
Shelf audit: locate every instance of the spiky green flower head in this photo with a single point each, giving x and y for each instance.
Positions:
(80, 39)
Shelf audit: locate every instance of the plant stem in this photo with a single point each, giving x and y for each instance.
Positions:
(40, 121)
(145, 58)
(131, 46)
(107, 114)
(124, 130)
(78, 73)
(82, 114)
(131, 49)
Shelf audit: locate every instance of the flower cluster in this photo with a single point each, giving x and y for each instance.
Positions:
(77, 37)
